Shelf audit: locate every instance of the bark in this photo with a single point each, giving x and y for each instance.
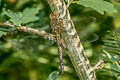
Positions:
(71, 41)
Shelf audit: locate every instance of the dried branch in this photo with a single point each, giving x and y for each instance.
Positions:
(71, 41)
(44, 34)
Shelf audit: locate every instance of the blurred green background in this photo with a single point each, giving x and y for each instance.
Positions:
(30, 57)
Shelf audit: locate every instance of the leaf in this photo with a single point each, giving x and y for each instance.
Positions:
(53, 76)
(98, 5)
(112, 59)
(115, 67)
(0, 2)
(14, 17)
(118, 77)
(112, 42)
(8, 62)
(7, 29)
(19, 18)
(2, 33)
(29, 15)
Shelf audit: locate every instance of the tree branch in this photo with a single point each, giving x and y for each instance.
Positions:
(44, 34)
(97, 66)
(69, 3)
(71, 41)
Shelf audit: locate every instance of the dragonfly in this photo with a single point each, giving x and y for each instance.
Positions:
(55, 25)
(81, 25)
(83, 28)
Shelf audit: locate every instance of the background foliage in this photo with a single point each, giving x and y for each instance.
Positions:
(30, 57)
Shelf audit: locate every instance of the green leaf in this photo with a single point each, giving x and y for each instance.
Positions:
(0, 2)
(7, 63)
(2, 33)
(29, 15)
(53, 76)
(7, 29)
(14, 17)
(4, 30)
(112, 59)
(98, 5)
(115, 67)
(19, 18)
(118, 78)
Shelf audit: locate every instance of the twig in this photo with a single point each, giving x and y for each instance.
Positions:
(30, 30)
(37, 32)
(69, 3)
(97, 66)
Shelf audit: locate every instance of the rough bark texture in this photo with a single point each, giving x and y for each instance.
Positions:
(71, 41)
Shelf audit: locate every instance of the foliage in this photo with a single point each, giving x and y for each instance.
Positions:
(25, 56)
(98, 5)
(0, 2)
(2, 33)
(19, 18)
(112, 49)
(5, 31)
(111, 43)
(114, 61)
(53, 76)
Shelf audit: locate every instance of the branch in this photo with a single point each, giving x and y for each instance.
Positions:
(97, 66)
(69, 3)
(44, 34)
(71, 41)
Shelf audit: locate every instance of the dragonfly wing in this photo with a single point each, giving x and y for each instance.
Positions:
(81, 23)
(85, 31)
(90, 37)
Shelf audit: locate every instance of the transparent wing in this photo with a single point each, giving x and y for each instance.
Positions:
(89, 38)
(85, 29)
(26, 41)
